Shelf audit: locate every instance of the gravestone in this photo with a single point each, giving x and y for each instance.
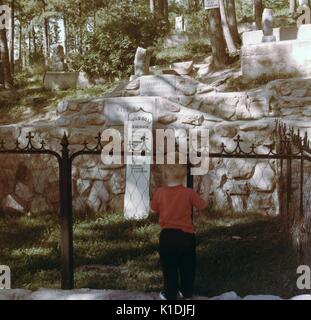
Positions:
(60, 78)
(142, 62)
(117, 110)
(304, 32)
(180, 24)
(267, 26)
(58, 59)
(167, 85)
(136, 201)
(164, 85)
(303, 2)
(5, 277)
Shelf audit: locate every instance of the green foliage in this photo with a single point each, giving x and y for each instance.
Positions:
(197, 22)
(194, 50)
(111, 49)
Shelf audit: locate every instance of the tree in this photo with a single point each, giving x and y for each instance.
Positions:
(12, 43)
(163, 9)
(292, 7)
(232, 21)
(225, 27)
(5, 58)
(218, 43)
(258, 9)
(152, 6)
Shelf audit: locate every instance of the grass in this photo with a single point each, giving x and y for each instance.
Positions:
(194, 50)
(261, 261)
(29, 99)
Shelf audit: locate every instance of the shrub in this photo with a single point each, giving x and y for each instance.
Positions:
(112, 47)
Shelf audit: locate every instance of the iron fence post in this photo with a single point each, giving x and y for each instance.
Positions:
(66, 223)
(189, 175)
(288, 183)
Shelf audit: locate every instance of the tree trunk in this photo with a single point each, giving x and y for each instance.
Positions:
(20, 45)
(166, 10)
(29, 47)
(152, 6)
(163, 8)
(225, 27)
(292, 7)
(34, 40)
(65, 35)
(218, 43)
(46, 38)
(80, 30)
(5, 58)
(258, 9)
(12, 35)
(232, 21)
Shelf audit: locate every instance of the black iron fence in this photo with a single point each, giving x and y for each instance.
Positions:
(289, 157)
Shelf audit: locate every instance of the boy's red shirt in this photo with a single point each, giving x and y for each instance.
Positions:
(174, 204)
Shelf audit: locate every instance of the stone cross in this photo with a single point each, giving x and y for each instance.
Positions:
(267, 26)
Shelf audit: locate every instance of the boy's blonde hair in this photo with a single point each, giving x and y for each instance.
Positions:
(176, 172)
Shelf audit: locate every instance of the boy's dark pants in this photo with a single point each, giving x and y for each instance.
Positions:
(178, 259)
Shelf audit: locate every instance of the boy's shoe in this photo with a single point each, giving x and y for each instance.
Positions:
(180, 296)
(162, 295)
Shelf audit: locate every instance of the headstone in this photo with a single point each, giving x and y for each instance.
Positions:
(5, 17)
(5, 278)
(83, 81)
(211, 4)
(58, 59)
(267, 26)
(180, 24)
(183, 68)
(136, 201)
(117, 110)
(303, 2)
(142, 62)
(304, 32)
(164, 85)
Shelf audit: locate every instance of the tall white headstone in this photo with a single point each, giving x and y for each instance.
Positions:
(267, 26)
(139, 157)
(180, 24)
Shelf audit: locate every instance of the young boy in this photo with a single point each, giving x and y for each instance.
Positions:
(174, 204)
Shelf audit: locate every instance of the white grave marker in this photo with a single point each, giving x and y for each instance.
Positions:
(137, 198)
(5, 277)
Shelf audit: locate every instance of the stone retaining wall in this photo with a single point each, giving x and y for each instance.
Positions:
(30, 183)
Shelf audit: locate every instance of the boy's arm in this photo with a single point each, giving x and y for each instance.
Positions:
(201, 201)
(152, 211)
(154, 204)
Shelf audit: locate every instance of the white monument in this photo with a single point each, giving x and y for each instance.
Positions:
(139, 158)
(180, 24)
(267, 26)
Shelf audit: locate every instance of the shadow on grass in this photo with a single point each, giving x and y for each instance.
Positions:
(249, 254)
